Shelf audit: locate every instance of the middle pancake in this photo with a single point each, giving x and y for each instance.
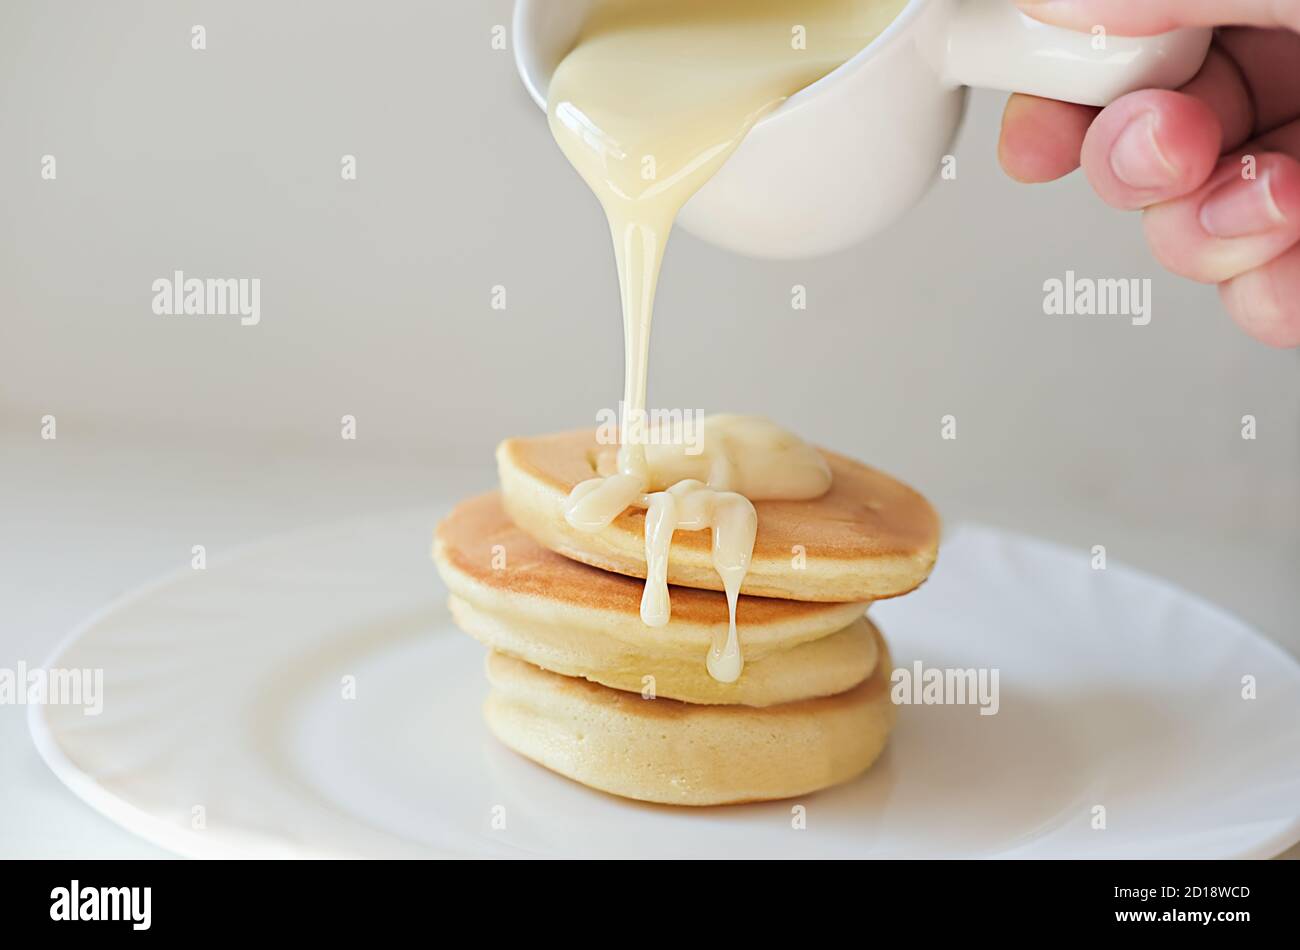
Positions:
(520, 598)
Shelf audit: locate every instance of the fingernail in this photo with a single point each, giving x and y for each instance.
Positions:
(1136, 159)
(1241, 207)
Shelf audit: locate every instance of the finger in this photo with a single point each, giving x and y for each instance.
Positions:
(1247, 81)
(1222, 87)
(1151, 146)
(1265, 302)
(1266, 61)
(1148, 17)
(1283, 139)
(1233, 223)
(1041, 138)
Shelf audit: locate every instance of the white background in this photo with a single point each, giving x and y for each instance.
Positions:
(175, 431)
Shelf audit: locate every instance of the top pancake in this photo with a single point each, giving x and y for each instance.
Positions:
(489, 562)
(869, 537)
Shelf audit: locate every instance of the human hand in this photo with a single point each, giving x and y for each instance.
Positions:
(1215, 166)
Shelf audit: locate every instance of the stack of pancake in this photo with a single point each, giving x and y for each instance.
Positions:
(582, 686)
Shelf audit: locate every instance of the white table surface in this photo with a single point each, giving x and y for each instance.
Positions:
(93, 515)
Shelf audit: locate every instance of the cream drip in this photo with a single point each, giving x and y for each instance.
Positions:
(741, 459)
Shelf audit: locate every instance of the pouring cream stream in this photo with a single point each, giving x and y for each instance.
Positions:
(654, 97)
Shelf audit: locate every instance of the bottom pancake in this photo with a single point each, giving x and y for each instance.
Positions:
(662, 750)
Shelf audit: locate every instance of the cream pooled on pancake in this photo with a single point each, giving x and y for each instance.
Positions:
(749, 455)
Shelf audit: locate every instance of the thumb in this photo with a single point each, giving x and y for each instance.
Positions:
(1147, 17)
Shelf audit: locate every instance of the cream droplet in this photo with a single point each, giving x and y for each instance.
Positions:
(725, 661)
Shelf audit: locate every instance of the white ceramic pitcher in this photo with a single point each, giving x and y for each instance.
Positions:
(846, 156)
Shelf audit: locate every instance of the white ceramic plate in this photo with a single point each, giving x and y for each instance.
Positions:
(223, 708)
